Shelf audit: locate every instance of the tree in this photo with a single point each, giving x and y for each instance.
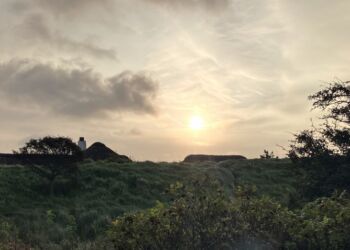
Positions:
(325, 151)
(51, 146)
(51, 157)
(267, 155)
(335, 100)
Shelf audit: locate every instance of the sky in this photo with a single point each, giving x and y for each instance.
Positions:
(133, 74)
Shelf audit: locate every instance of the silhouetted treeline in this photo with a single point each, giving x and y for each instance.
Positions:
(40, 159)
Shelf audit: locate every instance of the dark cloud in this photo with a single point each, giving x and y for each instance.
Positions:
(75, 92)
(35, 29)
(208, 4)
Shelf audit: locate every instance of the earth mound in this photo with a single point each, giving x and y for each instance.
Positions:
(99, 151)
(215, 158)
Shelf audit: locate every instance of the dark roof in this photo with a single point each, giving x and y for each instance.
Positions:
(99, 151)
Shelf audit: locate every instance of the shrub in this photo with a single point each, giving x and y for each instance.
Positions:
(9, 236)
(323, 224)
(203, 217)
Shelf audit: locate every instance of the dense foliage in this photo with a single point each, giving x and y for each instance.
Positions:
(203, 217)
(325, 151)
(50, 146)
(79, 215)
(332, 139)
(64, 164)
(196, 215)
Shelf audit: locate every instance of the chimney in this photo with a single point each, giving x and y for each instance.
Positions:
(82, 144)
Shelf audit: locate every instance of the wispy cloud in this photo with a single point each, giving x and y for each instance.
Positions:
(35, 30)
(246, 66)
(62, 7)
(207, 4)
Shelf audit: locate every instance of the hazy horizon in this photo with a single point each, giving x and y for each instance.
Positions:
(159, 79)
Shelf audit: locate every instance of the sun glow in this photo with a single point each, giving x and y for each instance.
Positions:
(196, 123)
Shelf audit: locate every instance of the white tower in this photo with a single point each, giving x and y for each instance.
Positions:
(82, 144)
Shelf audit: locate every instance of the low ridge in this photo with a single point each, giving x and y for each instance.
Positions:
(215, 158)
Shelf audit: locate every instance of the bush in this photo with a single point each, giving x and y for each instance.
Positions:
(9, 236)
(323, 224)
(203, 217)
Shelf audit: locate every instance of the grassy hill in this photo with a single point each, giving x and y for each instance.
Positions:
(83, 211)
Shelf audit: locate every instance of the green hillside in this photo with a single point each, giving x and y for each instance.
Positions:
(82, 211)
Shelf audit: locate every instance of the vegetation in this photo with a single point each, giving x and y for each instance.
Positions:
(267, 155)
(81, 214)
(50, 146)
(324, 152)
(203, 217)
(268, 212)
(66, 153)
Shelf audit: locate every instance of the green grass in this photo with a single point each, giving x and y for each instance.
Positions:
(106, 190)
(278, 179)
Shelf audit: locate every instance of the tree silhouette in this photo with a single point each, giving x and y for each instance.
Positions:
(267, 155)
(50, 157)
(325, 151)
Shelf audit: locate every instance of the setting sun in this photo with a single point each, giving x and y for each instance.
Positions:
(196, 123)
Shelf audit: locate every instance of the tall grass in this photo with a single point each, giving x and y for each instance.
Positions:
(81, 212)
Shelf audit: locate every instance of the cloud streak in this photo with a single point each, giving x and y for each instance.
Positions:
(35, 29)
(63, 7)
(207, 4)
(75, 92)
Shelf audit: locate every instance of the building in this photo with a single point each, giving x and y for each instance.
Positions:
(82, 143)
